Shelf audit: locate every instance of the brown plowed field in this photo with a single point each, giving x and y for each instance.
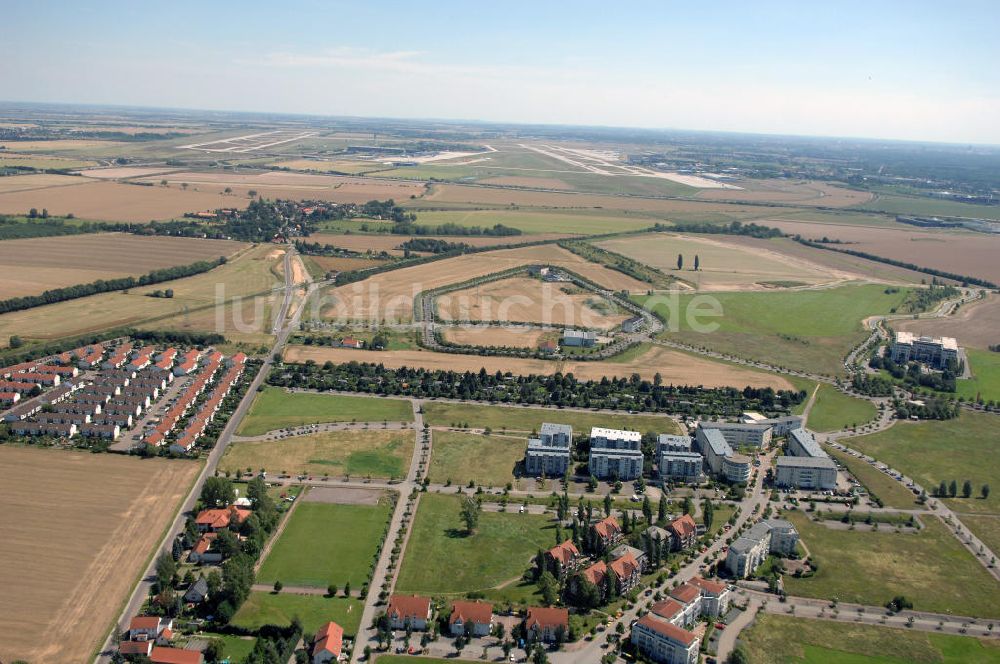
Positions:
(528, 300)
(38, 264)
(673, 366)
(960, 252)
(537, 183)
(78, 530)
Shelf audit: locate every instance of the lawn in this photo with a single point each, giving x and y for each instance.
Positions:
(809, 330)
(488, 460)
(930, 568)
(538, 222)
(985, 527)
(235, 648)
(923, 205)
(833, 410)
(888, 490)
(776, 639)
(376, 452)
(274, 408)
(266, 608)
(514, 418)
(967, 447)
(314, 551)
(985, 381)
(500, 550)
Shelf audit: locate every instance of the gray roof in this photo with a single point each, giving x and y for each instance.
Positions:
(621, 550)
(551, 429)
(715, 440)
(756, 426)
(655, 532)
(665, 439)
(806, 462)
(579, 334)
(779, 524)
(743, 544)
(807, 442)
(537, 445)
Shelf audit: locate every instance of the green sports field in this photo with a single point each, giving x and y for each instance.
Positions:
(527, 420)
(274, 408)
(326, 543)
(810, 330)
(265, 608)
(776, 639)
(834, 410)
(930, 568)
(497, 554)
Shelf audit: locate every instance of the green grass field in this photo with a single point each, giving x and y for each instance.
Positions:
(930, 568)
(274, 408)
(265, 608)
(810, 330)
(526, 420)
(325, 543)
(530, 222)
(922, 205)
(499, 552)
(967, 447)
(985, 381)
(834, 410)
(889, 491)
(986, 527)
(776, 639)
(236, 648)
(488, 460)
(375, 453)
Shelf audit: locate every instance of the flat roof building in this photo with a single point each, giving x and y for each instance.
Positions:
(551, 453)
(818, 473)
(615, 454)
(934, 352)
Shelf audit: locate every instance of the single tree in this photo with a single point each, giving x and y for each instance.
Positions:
(966, 489)
(680, 261)
(985, 491)
(278, 586)
(953, 488)
(607, 504)
(697, 262)
(470, 514)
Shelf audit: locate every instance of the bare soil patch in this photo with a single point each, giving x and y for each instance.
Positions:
(38, 264)
(528, 300)
(39, 181)
(342, 495)
(121, 172)
(78, 529)
(976, 325)
(514, 337)
(673, 366)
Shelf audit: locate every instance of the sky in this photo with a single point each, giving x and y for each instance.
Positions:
(896, 70)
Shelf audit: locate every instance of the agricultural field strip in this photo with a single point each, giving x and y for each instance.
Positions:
(234, 143)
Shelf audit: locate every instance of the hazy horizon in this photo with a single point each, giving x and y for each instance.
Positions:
(851, 71)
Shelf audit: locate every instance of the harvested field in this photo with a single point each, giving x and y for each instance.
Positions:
(78, 529)
(41, 161)
(541, 223)
(976, 324)
(38, 264)
(389, 296)
(334, 264)
(343, 495)
(537, 183)
(960, 252)
(277, 184)
(780, 191)
(112, 201)
(122, 172)
(193, 307)
(530, 300)
(39, 181)
(58, 145)
(329, 166)
(673, 366)
(725, 262)
(516, 337)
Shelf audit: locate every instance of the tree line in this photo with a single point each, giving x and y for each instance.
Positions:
(628, 393)
(106, 285)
